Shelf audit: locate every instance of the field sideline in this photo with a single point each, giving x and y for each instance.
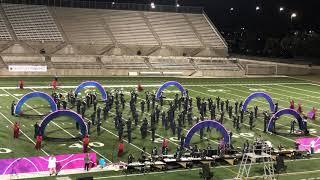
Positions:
(281, 90)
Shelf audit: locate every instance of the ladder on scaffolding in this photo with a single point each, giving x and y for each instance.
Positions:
(261, 153)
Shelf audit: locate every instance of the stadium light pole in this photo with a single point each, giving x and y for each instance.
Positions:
(293, 15)
(152, 5)
(281, 9)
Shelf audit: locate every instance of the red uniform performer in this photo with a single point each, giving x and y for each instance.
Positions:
(16, 130)
(299, 108)
(164, 144)
(38, 142)
(291, 104)
(21, 84)
(314, 110)
(54, 84)
(120, 149)
(85, 144)
(139, 88)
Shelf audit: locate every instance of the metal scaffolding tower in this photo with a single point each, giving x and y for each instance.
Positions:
(261, 153)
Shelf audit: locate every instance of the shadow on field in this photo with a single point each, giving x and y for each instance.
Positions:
(68, 138)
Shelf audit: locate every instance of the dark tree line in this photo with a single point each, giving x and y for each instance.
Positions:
(291, 45)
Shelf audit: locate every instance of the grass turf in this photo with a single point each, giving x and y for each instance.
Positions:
(234, 89)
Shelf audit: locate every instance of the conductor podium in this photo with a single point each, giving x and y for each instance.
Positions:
(260, 153)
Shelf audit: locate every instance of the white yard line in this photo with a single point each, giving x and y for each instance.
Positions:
(23, 133)
(153, 85)
(281, 94)
(218, 167)
(314, 92)
(308, 80)
(56, 124)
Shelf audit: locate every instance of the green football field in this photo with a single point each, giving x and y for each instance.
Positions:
(281, 89)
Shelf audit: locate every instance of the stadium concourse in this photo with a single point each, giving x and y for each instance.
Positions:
(129, 91)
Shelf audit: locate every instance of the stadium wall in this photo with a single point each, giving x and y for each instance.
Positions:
(254, 67)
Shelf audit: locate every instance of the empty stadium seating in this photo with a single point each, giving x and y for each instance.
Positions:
(82, 25)
(207, 33)
(109, 27)
(4, 33)
(170, 63)
(106, 40)
(24, 60)
(173, 29)
(32, 22)
(127, 62)
(2, 63)
(129, 27)
(216, 64)
(75, 62)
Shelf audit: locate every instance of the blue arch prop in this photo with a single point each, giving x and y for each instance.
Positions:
(258, 94)
(28, 96)
(283, 112)
(68, 113)
(170, 83)
(204, 124)
(95, 84)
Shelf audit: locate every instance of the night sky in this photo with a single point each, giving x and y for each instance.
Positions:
(268, 21)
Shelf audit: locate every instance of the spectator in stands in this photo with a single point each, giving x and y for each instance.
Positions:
(52, 165)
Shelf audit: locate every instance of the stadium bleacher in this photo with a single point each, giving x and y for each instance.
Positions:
(110, 39)
(25, 60)
(75, 62)
(33, 23)
(173, 29)
(170, 63)
(4, 33)
(128, 62)
(205, 31)
(129, 27)
(217, 64)
(83, 26)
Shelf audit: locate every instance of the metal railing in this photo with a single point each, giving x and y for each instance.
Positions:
(108, 5)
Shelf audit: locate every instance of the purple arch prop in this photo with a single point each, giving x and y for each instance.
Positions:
(28, 96)
(170, 83)
(258, 94)
(204, 124)
(72, 114)
(95, 84)
(283, 112)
